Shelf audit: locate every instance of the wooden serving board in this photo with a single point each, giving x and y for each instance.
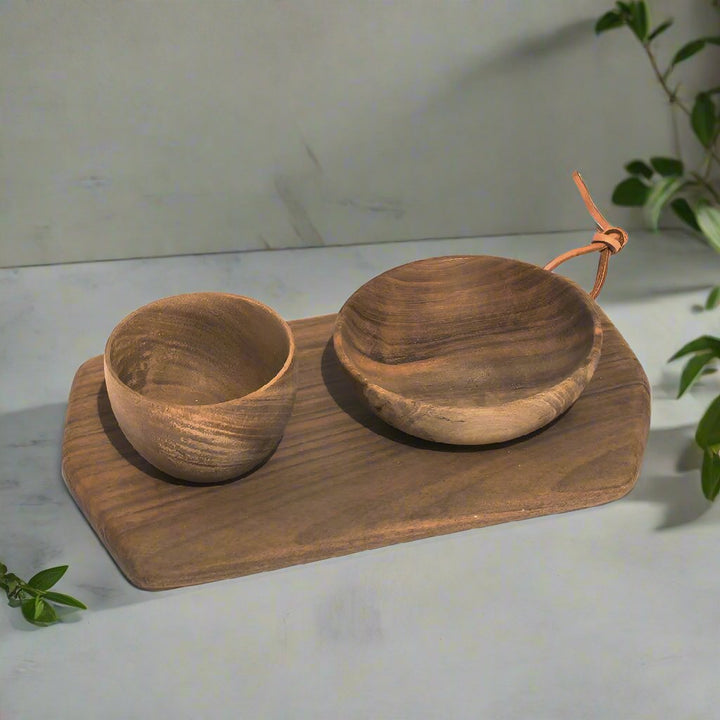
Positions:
(341, 480)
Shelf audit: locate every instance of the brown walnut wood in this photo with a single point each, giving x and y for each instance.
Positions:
(202, 384)
(341, 479)
(469, 349)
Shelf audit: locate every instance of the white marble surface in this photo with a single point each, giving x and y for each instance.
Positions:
(604, 613)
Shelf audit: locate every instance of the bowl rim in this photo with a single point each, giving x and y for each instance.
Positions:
(287, 365)
(590, 360)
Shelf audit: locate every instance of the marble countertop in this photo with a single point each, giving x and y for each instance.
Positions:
(601, 613)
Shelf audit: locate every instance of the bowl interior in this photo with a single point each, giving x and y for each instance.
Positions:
(466, 331)
(199, 349)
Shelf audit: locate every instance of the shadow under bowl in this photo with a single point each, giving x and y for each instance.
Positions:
(469, 350)
(202, 385)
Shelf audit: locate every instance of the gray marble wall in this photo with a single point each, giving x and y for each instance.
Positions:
(150, 128)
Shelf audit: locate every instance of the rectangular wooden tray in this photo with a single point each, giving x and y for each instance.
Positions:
(341, 480)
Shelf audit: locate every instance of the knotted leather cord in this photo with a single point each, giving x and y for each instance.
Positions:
(607, 239)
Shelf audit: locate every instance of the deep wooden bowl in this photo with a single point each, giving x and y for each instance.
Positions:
(202, 385)
(469, 349)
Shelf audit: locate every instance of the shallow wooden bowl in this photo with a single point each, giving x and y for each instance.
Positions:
(469, 349)
(202, 385)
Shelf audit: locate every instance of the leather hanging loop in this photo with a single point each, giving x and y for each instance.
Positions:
(607, 240)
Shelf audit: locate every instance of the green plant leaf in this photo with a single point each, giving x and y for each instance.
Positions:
(708, 429)
(661, 28)
(701, 344)
(638, 167)
(667, 167)
(631, 192)
(702, 119)
(62, 599)
(693, 368)
(709, 371)
(45, 579)
(681, 207)
(687, 51)
(28, 610)
(609, 21)
(710, 474)
(3, 569)
(38, 607)
(38, 612)
(708, 218)
(659, 196)
(624, 7)
(47, 615)
(639, 22)
(713, 298)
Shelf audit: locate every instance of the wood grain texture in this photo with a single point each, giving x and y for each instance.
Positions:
(469, 349)
(202, 384)
(342, 480)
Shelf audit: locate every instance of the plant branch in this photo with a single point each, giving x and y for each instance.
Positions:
(34, 596)
(662, 78)
(709, 156)
(707, 185)
(672, 95)
(676, 133)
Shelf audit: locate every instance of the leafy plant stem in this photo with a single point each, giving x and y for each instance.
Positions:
(672, 96)
(34, 596)
(693, 195)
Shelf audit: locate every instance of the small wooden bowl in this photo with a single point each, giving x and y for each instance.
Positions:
(202, 385)
(469, 349)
